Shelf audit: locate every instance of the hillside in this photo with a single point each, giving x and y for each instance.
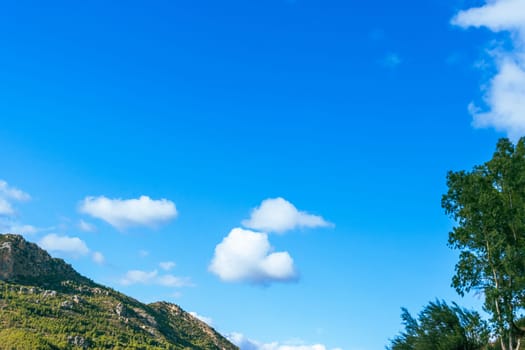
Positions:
(46, 304)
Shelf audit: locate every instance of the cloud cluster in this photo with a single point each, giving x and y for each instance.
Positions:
(70, 246)
(123, 213)
(154, 278)
(245, 343)
(278, 215)
(505, 92)
(247, 256)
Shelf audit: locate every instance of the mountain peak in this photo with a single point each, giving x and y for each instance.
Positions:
(25, 262)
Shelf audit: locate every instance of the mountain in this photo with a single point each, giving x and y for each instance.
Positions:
(46, 304)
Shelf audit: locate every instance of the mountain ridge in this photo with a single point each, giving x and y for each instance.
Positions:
(46, 304)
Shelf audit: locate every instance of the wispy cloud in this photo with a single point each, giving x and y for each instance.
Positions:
(14, 193)
(8, 194)
(21, 229)
(154, 278)
(98, 258)
(167, 265)
(505, 92)
(391, 60)
(246, 256)
(278, 215)
(245, 343)
(123, 213)
(86, 226)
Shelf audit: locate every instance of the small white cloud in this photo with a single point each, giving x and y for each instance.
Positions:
(391, 60)
(153, 278)
(204, 319)
(98, 258)
(86, 226)
(7, 191)
(23, 229)
(6, 208)
(245, 343)
(9, 194)
(246, 256)
(278, 215)
(173, 281)
(176, 295)
(138, 277)
(167, 265)
(7, 225)
(123, 213)
(505, 92)
(143, 253)
(73, 246)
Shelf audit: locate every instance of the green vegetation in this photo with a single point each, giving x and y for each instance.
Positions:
(79, 314)
(488, 206)
(95, 317)
(440, 326)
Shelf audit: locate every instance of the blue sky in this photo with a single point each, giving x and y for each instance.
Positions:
(274, 166)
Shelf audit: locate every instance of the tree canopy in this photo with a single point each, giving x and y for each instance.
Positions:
(488, 206)
(442, 327)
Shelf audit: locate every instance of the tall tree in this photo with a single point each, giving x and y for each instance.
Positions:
(442, 327)
(488, 205)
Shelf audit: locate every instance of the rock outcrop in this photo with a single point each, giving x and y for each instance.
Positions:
(22, 262)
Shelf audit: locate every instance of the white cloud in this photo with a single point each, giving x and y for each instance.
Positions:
(138, 277)
(278, 215)
(505, 92)
(23, 229)
(246, 256)
(7, 191)
(173, 281)
(143, 253)
(204, 319)
(167, 265)
(245, 343)
(7, 225)
(122, 213)
(153, 278)
(98, 258)
(497, 15)
(9, 194)
(73, 246)
(86, 226)
(5, 207)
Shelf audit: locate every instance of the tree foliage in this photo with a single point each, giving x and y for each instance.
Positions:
(442, 327)
(488, 205)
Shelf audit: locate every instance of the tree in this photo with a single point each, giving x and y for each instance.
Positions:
(442, 327)
(488, 205)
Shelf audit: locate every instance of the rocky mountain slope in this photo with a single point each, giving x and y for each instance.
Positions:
(46, 304)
